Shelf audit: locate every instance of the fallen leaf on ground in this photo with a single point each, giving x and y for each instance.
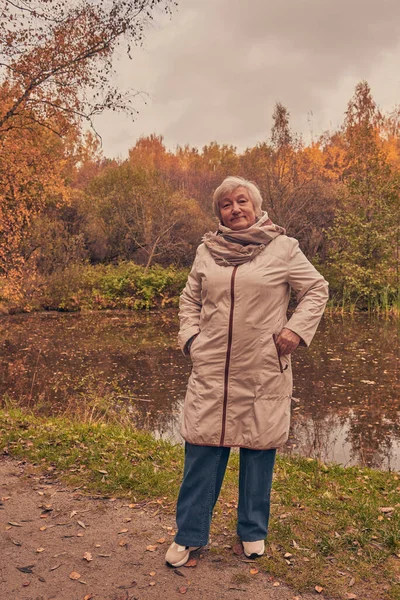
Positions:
(151, 548)
(123, 531)
(123, 543)
(276, 584)
(287, 555)
(237, 549)
(16, 542)
(182, 590)
(161, 541)
(79, 535)
(152, 583)
(14, 524)
(26, 583)
(386, 509)
(27, 569)
(73, 513)
(88, 597)
(82, 524)
(39, 550)
(351, 596)
(104, 555)
(74, 575)
(253, 571)
(352, 582)
(318, 589)
(87, 556)
(177, 572)
(43, 528)
(55, 567)
(152, 573)
(192, 562)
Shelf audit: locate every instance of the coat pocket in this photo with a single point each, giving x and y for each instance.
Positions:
(283, 364)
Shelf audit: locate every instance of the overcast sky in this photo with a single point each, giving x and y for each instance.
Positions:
(214, 71)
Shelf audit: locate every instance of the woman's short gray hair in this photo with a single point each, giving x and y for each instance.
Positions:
(230, 184)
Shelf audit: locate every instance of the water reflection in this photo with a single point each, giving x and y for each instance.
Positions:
(347, 383)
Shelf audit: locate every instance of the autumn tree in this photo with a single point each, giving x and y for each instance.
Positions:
(56, 67)
(292, 181)
(56, 58)
(363, 258)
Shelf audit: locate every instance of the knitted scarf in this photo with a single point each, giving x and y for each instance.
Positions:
(230, 248)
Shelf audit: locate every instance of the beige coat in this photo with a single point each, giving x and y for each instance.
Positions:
(239, 390)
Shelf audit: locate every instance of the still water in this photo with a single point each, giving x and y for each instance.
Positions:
(346, 384)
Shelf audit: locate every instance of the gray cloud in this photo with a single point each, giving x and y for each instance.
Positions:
(215, 71)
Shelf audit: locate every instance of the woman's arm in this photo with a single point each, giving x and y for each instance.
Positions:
(189, 309)
(312, 295)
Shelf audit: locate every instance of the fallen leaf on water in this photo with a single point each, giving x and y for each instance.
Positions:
(87, 556)
(82, 524)
(253, 571)
(182, 590)
(74, 575)
(318, 589)
(151, 548)
(237, 549)
(192, 562)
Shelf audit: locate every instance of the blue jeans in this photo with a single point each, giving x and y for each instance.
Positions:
(202, 479)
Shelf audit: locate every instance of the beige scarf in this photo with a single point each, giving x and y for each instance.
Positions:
(230, 248)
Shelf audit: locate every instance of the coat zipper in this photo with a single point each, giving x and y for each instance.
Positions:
(228, 356)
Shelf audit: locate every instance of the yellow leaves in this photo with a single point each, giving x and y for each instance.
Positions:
(318, 589)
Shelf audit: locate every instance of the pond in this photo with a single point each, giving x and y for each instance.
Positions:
(346, 384)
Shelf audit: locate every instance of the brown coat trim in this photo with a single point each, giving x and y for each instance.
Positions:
(228, 356)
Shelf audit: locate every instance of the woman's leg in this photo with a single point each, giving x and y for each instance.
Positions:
(255, 482)
(202, 479)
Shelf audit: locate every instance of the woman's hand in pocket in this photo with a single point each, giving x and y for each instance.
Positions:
(287, 341)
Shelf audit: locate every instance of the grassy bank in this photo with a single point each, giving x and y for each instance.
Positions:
(129, 286)
(331, 527)
(96, 287)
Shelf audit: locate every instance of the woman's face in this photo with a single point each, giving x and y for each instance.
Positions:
(237, 210)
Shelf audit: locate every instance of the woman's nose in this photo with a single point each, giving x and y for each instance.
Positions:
(235, 208)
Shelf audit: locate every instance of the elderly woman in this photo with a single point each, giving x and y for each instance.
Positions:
(233, 323)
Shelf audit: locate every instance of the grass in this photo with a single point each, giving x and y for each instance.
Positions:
(334, 527)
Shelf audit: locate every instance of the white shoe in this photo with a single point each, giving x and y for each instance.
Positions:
(254, 549)
(177, 555)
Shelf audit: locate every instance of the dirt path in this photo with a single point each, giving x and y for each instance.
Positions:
(49, 528)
